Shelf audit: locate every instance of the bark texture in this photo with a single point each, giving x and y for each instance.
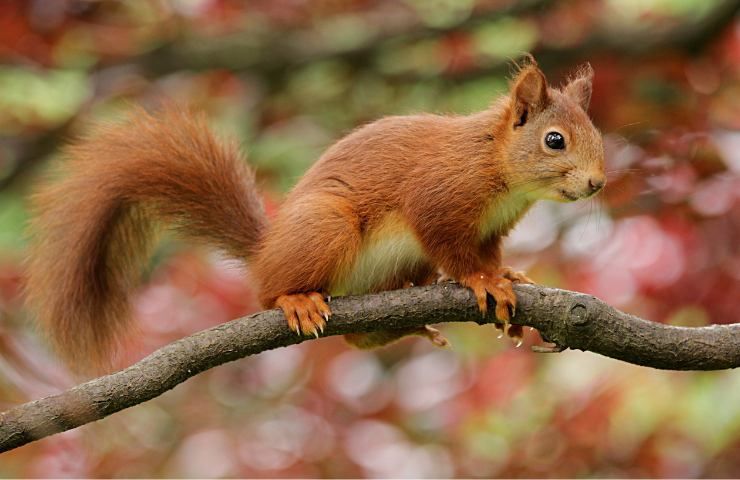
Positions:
(568, 319)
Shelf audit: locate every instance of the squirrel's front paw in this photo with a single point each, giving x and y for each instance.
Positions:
(500, 288)
(306, 313)
(499, 284)
(514, 276)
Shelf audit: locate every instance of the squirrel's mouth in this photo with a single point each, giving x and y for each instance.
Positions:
(569, 196)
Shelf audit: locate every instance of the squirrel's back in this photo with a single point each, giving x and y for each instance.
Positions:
(93, 225)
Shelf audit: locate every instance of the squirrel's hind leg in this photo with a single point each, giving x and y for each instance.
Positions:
(382, 338)
(297, 260)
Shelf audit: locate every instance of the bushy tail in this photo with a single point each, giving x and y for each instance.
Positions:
(93, 227)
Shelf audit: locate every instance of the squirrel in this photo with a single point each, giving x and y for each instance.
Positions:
(391, 204)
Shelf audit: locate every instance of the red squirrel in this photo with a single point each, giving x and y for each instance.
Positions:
(388, 205)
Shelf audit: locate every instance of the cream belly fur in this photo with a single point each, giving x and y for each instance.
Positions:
(393, 251)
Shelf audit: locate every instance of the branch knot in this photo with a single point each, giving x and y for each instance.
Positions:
(579, 314)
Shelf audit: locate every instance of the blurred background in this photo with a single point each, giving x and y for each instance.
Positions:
(287, 78)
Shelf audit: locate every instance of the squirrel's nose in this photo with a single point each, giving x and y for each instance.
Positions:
(596, 183)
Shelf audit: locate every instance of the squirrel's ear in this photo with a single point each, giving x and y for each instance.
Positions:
(579, 87)
(529, 93)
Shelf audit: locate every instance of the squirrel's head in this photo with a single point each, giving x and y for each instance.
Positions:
(555, 151)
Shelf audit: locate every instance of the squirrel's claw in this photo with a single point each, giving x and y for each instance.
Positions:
(435, 336)
(306, 313)
(515, 333)
(499, 285)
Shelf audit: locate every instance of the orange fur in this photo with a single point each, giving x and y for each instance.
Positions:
(93, 227)
(422, 193)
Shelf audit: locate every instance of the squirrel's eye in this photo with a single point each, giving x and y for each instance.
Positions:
(555, 141)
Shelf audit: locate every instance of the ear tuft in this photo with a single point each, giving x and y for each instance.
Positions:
(580, 85)
(528, 92)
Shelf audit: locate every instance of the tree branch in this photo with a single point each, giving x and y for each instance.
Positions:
(568, 319)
